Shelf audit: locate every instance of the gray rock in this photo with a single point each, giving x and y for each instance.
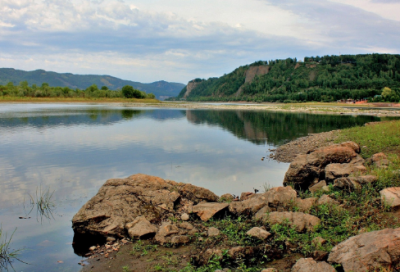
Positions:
(368, 251)
(309, 265)
(213, 232)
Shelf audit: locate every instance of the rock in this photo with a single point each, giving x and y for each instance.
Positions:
(325, 199)
(246, 195)
(185, 217)
(204, 257)
(379, 160)
(110, 239)
(240, 252)
(269, 270)
(213, 232)
(305, 204)
(368, 251)
(365, 179)
(391, 196)
(336, 170)
(275, 197)
(318, 241)
(226, 198)
(320, 255)
(165, 232)
(120, 201)
(347, 183)
(259, 233)
(263, 212)
(306, 168)
(207, 210)
(140, 228)
(180, 239)
(317, 187)
(309, 265)
(300, 221)
(186, 225)
(92, 248)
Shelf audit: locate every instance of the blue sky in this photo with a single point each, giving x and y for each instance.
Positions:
(178, 40)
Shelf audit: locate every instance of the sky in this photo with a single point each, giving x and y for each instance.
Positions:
(179, 40)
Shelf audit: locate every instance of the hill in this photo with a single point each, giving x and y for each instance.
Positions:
(160, 88)
(326, 79)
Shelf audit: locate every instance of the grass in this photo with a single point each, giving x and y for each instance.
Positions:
(382, 137)
(43, 201)
(7, 255)
(75, 99)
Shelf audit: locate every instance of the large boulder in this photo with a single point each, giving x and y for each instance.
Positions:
(368, 251)
(274, 198)
(306, 169)
(309, 265)
(208, 209)
(298, 220)
(121, 201)
(391, 196)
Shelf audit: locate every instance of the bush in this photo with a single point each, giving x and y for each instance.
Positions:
(130, 92)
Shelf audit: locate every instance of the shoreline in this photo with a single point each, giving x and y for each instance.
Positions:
(309, 108)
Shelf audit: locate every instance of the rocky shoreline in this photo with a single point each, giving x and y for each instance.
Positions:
(227, 234)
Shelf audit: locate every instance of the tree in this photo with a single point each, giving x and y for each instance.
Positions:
(130, 92)
(387, 93)
(104, 88)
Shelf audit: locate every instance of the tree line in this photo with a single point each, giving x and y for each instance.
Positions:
(23, 89)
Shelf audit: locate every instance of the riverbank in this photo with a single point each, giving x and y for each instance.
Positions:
(311, 107)
(350, 204)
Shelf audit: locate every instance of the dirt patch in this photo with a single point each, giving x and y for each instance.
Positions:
(297, 65)
(289, 151)
(140, 258)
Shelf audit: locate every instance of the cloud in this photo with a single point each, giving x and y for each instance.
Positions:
(148, 42)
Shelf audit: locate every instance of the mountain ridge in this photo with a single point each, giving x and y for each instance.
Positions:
(160, 88)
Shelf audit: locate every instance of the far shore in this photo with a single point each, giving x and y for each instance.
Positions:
(310, 107)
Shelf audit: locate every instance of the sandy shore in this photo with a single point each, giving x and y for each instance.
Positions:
(312, 108)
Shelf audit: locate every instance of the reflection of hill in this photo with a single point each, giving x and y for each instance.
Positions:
(87, 117)
(274, 128)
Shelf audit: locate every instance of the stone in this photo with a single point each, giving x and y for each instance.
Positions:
(318, 241)
(240, 252)
(391, 196)
(110, 239)
(186, 225)
(309, 265)
(213, 232)
(325, 199)
(204, 257)
(226, 198)
(306, 168)
(269, 270)
(246, 195)
(207, 210)
(275, 197)
(92, 248)
(140, 228)
(346, 184)
(165, 232)
(336, 170)
(319, 255)
(365, 179)
(180, 239)
(262, 213)
(305, 205)
(300, 221)
(317, 187)
(259, 233)
(121, 201)
(368, 251)
(380, 160)
(185, 217)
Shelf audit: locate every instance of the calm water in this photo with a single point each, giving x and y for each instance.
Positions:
(74, 149)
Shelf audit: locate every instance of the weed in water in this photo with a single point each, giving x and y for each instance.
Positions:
(7, 255)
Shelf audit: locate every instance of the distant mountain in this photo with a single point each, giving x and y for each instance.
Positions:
(160, 89)
(327, 78)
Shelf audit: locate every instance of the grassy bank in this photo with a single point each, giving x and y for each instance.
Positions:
(7, 99)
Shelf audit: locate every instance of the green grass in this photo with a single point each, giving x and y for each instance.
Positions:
(382, 137)
(7, 255)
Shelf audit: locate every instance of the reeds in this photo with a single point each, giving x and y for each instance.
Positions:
(7, 255)
(43, 201)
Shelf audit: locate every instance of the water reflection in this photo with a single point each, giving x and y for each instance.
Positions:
(75, 149)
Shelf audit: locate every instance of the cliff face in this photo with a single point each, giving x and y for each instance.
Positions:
(251, 73)
(191, 85)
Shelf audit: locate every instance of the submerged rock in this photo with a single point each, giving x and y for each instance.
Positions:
(121, 201)
(368, 251)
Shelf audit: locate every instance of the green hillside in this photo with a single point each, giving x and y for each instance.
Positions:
(326, 79)
(159, 88)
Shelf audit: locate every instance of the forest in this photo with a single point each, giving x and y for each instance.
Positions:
(25, 90)
(375, 77)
